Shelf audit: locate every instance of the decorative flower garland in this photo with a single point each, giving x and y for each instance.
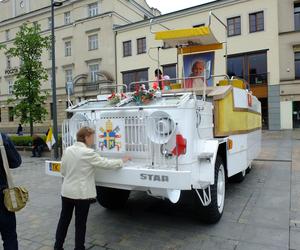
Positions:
(143, 96)
(114, 98)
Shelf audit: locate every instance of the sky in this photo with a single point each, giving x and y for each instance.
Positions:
(166, 6)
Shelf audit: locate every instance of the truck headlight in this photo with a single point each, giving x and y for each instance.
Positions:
(160, 127)
(165, 126)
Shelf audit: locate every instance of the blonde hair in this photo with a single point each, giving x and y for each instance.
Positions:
(83, 133)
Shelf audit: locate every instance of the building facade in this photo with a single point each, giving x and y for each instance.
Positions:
(85, 48)
(100, 42)
(252, 47)
(288, 92)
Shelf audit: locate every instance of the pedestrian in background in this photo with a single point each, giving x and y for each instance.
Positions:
(8, 219)
(79, 163)
(20, 129)
(38, 146)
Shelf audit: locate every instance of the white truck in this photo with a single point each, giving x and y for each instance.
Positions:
(182, 139)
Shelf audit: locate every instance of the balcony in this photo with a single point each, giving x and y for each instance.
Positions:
(91, 86)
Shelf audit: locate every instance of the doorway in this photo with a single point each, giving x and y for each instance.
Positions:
(296, 114)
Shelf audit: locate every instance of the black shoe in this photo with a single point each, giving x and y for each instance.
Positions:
(33, 156)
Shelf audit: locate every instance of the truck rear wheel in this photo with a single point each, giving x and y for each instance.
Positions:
(213, 212)
(112, 198)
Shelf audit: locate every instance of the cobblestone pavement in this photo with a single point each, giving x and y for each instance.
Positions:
(262, 213)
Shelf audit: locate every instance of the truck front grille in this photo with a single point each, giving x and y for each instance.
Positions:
(135, 134)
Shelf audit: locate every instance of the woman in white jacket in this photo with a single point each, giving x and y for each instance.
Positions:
(79, 163)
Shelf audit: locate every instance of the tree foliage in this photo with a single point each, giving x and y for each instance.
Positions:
(27, 97)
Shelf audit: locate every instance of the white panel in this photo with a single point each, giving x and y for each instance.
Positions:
(239, 143)
(237, 156)
(240, 98)
(206, 168)
(236, 162)
(286, 116)
(145, 178)
(254, 145)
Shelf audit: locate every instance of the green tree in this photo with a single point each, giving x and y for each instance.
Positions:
(27, 96)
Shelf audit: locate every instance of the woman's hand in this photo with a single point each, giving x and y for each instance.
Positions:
(126, 158)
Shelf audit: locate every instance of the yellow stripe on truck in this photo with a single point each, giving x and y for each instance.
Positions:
(229, 121)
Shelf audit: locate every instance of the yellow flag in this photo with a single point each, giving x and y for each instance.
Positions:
(50, 141)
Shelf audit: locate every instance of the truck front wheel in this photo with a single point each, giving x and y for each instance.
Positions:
(112, 198)
(213, 212)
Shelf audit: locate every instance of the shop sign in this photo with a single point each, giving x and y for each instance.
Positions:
(11, 71)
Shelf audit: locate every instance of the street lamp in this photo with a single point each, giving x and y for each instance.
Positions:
(54, 104)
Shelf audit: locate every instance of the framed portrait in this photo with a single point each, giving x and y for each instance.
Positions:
(195, 64)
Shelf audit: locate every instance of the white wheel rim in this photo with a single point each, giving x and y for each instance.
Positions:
(244, 173)
(221, 188)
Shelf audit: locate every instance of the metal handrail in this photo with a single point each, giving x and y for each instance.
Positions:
(182, 79)
(112, 86)
(244, 81)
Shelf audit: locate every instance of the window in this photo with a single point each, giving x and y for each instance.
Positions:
(93, 42)
(49, 22)
(297, 15)
(235, 66)
(93, 9)
(8, 62)
(252, 67)
(234, 26)
(69, 81)
(257, 68)
(297, 65)
(67, 17)
(68, 75)
(94, 69)
(135, 76)
(10, 87)
(68, 48)
(127, 48)
(256, 21)
(7, 35)
(10, 114)
(170, 70)
(141, 45)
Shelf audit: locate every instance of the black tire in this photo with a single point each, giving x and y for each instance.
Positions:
(249, 168)
(112, 198)
(239, 177)
(213, 212)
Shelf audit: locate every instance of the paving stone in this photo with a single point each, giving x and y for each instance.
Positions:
(266, 236)
(275, 218)
(256, 216)
(294, 240)
(253, 246)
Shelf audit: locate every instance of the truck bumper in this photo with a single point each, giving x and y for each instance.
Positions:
(144, 178)
(134, 178)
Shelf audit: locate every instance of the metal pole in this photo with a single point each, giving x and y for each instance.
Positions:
(54, 103)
